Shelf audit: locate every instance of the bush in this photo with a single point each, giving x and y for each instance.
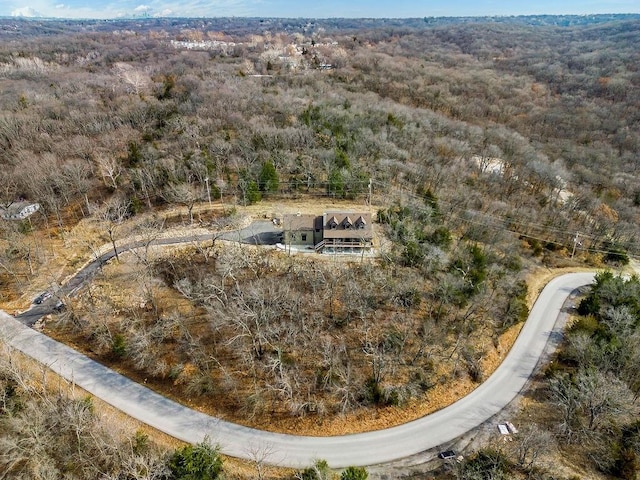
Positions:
(119, 346)
(319, 471)
(441, 237)
(354, 473)
(373, 392)
(517, 309)
(253, 192)
(413, 254)
(485, 464)
(196, 462)
(615, 255)
(589, 305)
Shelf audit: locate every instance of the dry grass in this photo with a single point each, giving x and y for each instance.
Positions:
(122, 285)
(71, 250)
(64, 251)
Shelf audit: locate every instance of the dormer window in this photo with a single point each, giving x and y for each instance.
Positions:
(361, 223)
(347, 223)
(332, 223)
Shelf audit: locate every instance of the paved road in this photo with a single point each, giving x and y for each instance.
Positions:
(261, 232)
(300, 451)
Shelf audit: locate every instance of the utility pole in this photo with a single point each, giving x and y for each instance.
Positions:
(575, 244)
(369, 199)
(206, 181)
(221, 187)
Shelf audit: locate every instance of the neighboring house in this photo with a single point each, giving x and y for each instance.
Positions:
(332, 232)
(19, 210)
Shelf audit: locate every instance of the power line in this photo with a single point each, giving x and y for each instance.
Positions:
(500, 221)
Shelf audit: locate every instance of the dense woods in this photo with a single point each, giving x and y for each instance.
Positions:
(50, 431)
(492, 147)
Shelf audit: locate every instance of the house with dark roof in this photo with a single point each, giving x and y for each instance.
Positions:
(331, 232)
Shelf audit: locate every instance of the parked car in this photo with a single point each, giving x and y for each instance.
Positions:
(42, 297)
(447, 454)
(59, 306)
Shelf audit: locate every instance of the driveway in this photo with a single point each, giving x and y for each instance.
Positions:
(261, 232)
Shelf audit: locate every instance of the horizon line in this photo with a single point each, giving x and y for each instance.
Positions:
(160, 17)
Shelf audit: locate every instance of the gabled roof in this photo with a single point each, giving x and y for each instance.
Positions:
(297, 221)
(345, 227)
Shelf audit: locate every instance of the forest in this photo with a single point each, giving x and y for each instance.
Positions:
(490, 151)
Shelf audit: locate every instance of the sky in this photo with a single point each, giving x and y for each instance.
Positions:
(103, 9)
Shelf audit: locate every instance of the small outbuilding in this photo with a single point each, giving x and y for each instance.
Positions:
(18, 210)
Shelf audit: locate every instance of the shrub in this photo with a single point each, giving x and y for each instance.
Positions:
(354, 473)
(253, 192)
(119, 346)
(196, 462)
(441, 237)
(486, 463)
(615, 255)
(517, 309)
(373, 392)
(319, 471)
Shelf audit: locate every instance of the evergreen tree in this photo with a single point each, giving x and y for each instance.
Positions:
(268, 178)
(196, 462)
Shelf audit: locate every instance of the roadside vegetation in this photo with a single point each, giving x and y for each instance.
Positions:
(584, 405)
(50, 431)
(491, 149)
(258, 335)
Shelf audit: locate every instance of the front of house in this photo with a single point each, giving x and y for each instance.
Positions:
(331, 232)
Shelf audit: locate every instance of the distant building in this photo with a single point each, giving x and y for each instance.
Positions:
(331, 232)
(19, 210)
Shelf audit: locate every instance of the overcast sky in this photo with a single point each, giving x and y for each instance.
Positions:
(308, 8)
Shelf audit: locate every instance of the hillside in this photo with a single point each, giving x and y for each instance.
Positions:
(485, 149)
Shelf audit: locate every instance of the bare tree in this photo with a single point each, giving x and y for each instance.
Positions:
(261, 456)
(147, 233)
(78, 175)
(8, 187)
(135, 78)
(531, 442)
(183, 194)
(112, 214)
(110, 169)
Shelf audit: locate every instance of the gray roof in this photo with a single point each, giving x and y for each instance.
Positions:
(348, 225)
(296, 222)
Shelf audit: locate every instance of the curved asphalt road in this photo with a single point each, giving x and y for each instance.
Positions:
(300, 451)
(261, 232)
